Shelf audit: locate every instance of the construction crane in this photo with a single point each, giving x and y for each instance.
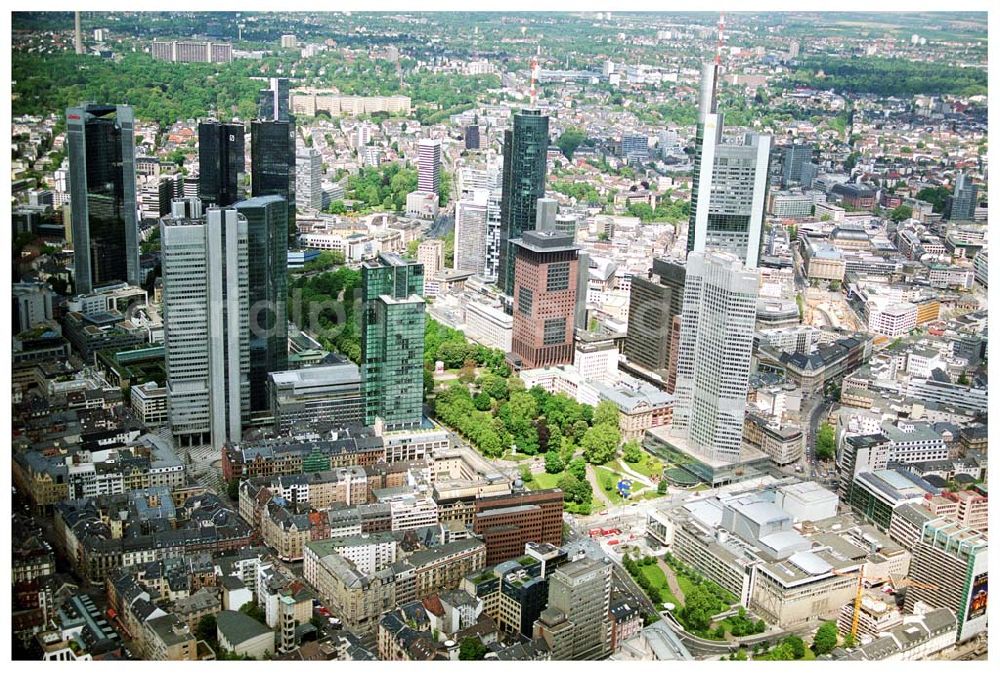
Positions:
(862, 579)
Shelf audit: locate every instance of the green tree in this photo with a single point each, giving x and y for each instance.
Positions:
(798, 646)
(472, 649)
(553, 462)
(483, 402)
(901, 212)
(662, 486)
(570, 140)
(206, 629)
(600, 442)
(782, 651)
(254, 611)
(825, 639)
(494, 386)
(606, 412)
(699, 607)
(632, 452)
(233, 490)
(825, 443)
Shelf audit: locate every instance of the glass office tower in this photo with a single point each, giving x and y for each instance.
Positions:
(101, 145)
(524, 156)
(392, 341)
(267, 227)
(272, 159)
(221, 163)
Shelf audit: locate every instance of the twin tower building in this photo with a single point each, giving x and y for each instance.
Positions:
(224, 257)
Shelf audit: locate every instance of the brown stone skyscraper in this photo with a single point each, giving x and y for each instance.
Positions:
(545, 271)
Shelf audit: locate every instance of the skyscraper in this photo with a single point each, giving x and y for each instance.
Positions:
(206, 307)
(392, 341)
(713, 358)
(308, 179)
(221, 163)
(272, 103)
(429, 165)
(471, 233)
(794, 157)
(730, 183)
(272, 158)
(101, 145)
(525, 149)
(545, 275)
(653, 303)
(961, 204)
(472, 137)
(267, 227)
(576, 624)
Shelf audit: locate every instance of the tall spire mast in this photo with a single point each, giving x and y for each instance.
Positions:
(532, 93)
(722, 38)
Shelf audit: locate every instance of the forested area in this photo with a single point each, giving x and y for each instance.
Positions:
(888, 77)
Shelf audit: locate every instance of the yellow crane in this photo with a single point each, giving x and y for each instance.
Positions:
(862, 578)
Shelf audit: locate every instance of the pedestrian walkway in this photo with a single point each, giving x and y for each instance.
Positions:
(595, 486)
(675, 588)
(638, 477)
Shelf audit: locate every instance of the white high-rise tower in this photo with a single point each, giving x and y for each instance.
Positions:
(206, 318)
(713, 360)
(428, 165)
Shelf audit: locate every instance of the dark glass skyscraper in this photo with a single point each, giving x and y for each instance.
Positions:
(272, 159)
(392, 341)
(272, 102)
(267, 227)
(653, 303)
(101, 140)
(793, 159)
(524, 156)
(221, 163)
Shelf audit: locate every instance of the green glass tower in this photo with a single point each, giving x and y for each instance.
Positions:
(267, 220)
(392, 341)
(524, 156)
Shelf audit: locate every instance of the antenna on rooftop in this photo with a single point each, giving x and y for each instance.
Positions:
(532, 93)
(722, 37)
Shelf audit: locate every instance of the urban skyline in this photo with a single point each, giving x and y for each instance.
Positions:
(611, 336)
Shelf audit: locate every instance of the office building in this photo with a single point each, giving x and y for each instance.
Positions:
(477, 232)
(793, 158)
(32, 305)
(267, 228)
(472, 137)
(101, 145)
(576, 625)
(186, 51)
(272, 103)
(961, 205)
(507, 522)
(951, 565)
(713, 360)
(221, 163)
(316, 398)
(653, 303)
(272, 162)
(392, 341)
(730, 183)
(309, 179)
(430, 253)
(429, 165)
(525, 148)
(545, 274)
(635, 148)
(206, 310)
